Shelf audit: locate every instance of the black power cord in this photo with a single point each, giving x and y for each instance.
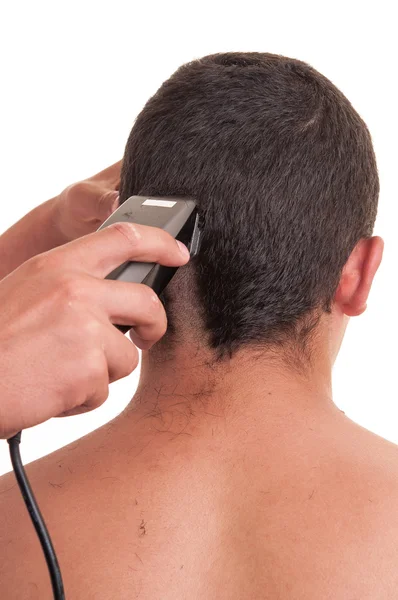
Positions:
(37, 519)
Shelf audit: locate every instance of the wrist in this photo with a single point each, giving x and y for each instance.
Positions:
(35, 233)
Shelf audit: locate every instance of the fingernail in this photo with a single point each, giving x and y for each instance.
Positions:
(183, 249)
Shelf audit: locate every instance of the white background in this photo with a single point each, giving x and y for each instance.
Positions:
(75, 74)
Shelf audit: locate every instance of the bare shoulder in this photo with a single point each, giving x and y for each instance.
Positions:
(364, 510)
(366, 466)
(23, 571)
(373, 453)
(19, 548)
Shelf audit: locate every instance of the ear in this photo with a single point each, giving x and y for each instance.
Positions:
(357, 276)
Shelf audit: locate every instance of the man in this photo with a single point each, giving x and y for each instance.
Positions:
(232, 474)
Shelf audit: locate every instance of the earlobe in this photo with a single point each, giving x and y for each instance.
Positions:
(353, 311)
(357, 276)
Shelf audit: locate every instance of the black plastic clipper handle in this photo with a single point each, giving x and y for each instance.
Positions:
(177, 216)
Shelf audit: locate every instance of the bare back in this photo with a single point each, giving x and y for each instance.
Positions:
(141, 514)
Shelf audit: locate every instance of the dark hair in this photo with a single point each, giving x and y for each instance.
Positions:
(283, 170)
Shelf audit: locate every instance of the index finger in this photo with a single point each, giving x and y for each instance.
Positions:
(101, 252)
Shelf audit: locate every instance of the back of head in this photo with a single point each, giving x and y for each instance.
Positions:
(283, 171)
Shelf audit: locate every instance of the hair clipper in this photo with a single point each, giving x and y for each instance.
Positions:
(177, 216)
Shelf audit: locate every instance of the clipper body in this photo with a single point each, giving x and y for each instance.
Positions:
(177, 216)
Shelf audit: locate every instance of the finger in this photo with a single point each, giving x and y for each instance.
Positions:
(101, 252)
(110, 176)
(132, 304)
(121, 358)
(120, 353)
(139, 342)
(106, 203)
(94, 202)
(96, 392)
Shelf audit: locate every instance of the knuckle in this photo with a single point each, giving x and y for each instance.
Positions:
(40, 263)
(96, 373)
(96, 364)
(79, 189)
(156, 318)
(88, 387)
(105, 196)
(129, 232)
(92, 330)
(126, 363)
(102, 393)
(98, 398)
(150, 298)
(153, 314)
(70, 394)
(70, 288)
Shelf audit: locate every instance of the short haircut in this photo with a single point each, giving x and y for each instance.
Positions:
(283, 171)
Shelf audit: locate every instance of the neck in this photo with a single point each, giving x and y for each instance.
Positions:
(188, 391)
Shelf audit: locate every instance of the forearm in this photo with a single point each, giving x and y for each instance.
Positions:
(78, 210)
(35, 233)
